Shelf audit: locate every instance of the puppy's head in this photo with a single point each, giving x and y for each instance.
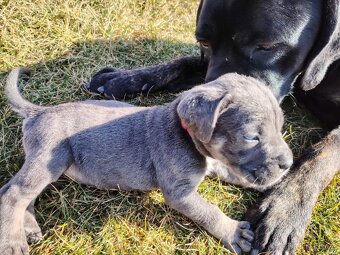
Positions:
(237, 120)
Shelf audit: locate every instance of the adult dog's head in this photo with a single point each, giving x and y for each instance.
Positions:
(272, 40)
(237, 120)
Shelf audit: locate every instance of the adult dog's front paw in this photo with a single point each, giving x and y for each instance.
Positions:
(115, 83)
(284, 212)
(239, 238)
(280, 219)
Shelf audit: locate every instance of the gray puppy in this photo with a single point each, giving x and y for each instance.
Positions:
(231, 126)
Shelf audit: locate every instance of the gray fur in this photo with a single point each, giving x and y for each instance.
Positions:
(113, 145)
(15, 99)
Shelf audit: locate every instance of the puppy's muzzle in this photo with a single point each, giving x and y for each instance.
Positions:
(267, 173)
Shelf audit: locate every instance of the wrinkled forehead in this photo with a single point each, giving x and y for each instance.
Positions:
(255, 18)
(250, 119)
(255, 105)
(251, 99)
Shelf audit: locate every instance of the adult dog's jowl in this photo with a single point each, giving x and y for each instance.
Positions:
(292, 46)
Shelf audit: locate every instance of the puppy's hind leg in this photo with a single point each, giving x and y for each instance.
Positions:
(31, 226)
(40, 169)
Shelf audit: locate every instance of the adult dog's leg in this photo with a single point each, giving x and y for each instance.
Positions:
(40, 169)
(175, 75)
(284, 212)
(235, 235)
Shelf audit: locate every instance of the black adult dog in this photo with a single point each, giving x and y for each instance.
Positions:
(289, 45)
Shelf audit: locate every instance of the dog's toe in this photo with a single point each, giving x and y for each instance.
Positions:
(248, 235)
(236, 249)
(254, 252)
(245, 245)
(240, 239)
(34, 237)
(244, 225)
(244, 236)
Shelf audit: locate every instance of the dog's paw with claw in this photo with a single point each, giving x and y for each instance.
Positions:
(115, 83)
(32, 230)
(280, 219)
(240, 238)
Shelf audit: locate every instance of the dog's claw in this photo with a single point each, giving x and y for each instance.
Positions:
(145, 87)
(101, 89)
(114, 83)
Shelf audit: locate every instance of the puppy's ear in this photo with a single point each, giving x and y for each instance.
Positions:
(199, 110)
(330, 52)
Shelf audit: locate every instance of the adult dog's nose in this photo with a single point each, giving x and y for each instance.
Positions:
(285, 160)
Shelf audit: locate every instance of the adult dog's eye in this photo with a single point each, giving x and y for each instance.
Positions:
(205, 44)
(266, 47)
(266, 53)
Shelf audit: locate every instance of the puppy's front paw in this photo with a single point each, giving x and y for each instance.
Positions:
(239, 237)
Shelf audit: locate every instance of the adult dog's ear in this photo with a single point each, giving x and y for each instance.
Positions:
(199, 11)
(330, 52)
(199, 111)
(197, 19)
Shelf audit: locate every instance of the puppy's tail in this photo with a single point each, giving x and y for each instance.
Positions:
(19, 104)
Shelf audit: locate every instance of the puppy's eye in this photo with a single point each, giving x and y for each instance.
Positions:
(205, 44)
(251, 138)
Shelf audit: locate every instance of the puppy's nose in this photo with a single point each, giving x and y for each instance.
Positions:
(285, 160)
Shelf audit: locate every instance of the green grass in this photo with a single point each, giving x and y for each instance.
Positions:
(64, 42)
